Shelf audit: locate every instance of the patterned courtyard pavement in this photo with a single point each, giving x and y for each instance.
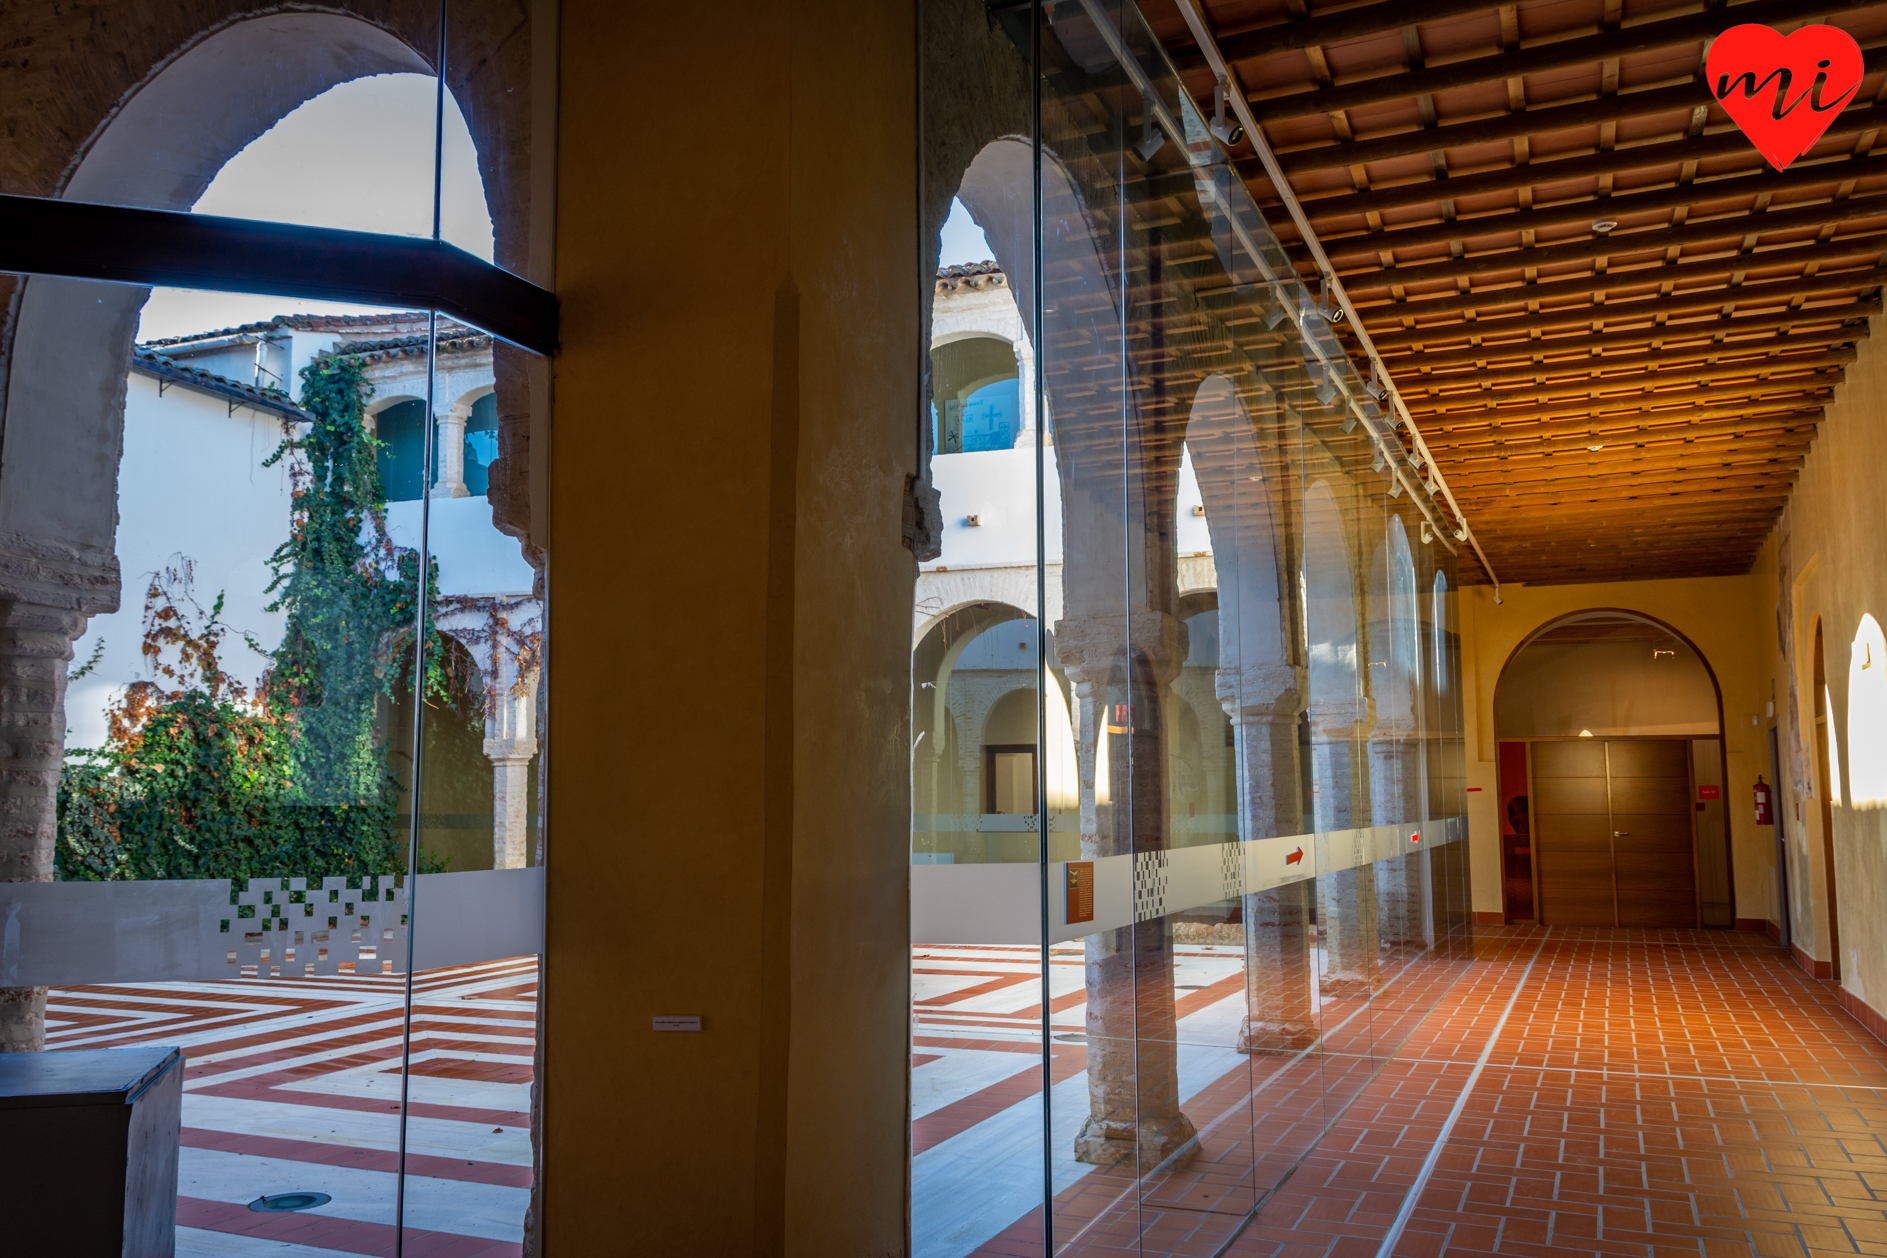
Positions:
(294, 1086)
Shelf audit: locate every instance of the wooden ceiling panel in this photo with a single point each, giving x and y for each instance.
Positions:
(1558, 240)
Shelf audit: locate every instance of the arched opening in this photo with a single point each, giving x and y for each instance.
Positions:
(976, 400)
(238, 456)
(1611, 777)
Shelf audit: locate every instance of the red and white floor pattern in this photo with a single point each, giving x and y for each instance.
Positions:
(294, 1086)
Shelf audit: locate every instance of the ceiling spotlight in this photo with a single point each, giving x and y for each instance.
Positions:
(1428, 534)
(1377, 463)
(1603, 225)
(1326, 383)
(1376, 387)
(1461, 533)
(1154, 139)
(1395, 486)
(1276, 315)
(1349, 421)
(1226, 132)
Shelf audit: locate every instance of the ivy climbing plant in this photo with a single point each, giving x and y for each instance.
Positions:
(200, 779)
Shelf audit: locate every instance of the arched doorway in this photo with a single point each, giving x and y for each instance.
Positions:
(1611, 777)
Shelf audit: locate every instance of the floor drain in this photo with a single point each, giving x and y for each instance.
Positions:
(290, 1201)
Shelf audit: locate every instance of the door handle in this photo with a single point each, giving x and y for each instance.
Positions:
(1621, 834)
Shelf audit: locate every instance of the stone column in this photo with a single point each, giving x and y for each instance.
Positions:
(1346, 918)
(449, 448)
(510, 742)
(1025, 389)
(1120, 666)
(35, 647)
(1280, 1015)
(1395, 799)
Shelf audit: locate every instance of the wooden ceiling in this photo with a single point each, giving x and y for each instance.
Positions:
(1607, 403)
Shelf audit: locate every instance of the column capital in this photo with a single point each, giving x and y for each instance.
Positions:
(1256, 692)
(1090, 647)
(55, 578)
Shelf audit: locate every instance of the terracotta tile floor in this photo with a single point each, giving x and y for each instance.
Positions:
(1652, 1094)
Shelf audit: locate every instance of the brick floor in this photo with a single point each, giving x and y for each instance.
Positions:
(1651, 1094)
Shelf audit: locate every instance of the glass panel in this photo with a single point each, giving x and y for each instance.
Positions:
(498, 167)
(1249, 763)
(471, 1032)
(992, 764)
(226, 619)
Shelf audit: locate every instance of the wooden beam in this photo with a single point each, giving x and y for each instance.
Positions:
(1542, 58)
(1619, 408)
(1421, 370)
(1638, 243)
(1614, 341)
(1785, 365)
(1540, 120)
(1247, 42)
(1634, 311)
(1583, 210)
(1501, 442)
(1562, 170)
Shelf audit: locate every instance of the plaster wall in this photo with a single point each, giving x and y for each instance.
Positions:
(734, 751)
(1721, 616)
(192, 486)
(1827, 562)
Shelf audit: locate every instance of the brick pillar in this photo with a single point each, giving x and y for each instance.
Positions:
(1264, 708)
(35, 647)
(1121, 666)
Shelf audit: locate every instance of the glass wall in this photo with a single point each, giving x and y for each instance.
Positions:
(1206, 599)
(273, 566)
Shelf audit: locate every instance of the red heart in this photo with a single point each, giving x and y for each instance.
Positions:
(1783, 91)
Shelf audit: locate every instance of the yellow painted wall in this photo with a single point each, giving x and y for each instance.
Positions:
(1719, 615)
(1834, 536)
(730, 629)
(1832, 543)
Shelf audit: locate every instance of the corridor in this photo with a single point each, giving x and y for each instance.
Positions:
(1641, 1093)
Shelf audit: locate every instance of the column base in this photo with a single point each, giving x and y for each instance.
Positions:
(1349, 987)
(1275, 1037)
(1173, 1141)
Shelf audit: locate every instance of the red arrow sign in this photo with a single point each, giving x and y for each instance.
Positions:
(1295, 858)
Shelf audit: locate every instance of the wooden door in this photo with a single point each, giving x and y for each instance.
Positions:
(1572, 835)
(1612, 837)
(1651, 833)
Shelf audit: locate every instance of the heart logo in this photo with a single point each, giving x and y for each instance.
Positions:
(1783, 91)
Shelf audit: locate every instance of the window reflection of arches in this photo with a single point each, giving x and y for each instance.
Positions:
(1867, 716)
(1329, 604)
(1396, 744)
(1330, 629)
(976, 397)
(481, 445)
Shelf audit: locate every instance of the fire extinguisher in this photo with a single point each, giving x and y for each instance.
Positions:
(1765, 814)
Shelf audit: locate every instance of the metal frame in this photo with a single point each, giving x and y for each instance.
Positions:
(126, 245)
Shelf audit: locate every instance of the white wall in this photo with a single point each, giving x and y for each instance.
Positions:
(191, 482)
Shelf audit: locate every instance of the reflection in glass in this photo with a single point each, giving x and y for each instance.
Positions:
(1246, 881)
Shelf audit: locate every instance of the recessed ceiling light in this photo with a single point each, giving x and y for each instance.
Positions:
(1595, 447)
(1603, 225)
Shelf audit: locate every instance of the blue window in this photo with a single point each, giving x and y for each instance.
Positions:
(402, 432)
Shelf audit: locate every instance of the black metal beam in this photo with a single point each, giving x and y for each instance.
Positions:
(123, 245)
